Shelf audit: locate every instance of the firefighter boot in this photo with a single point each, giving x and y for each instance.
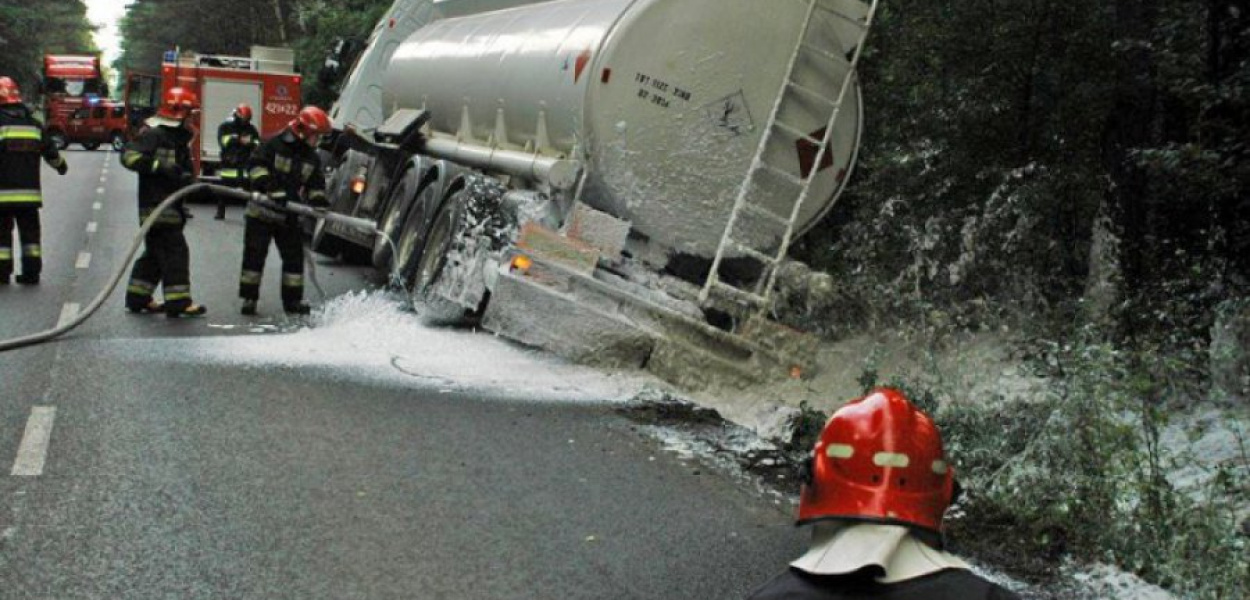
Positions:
(194, 310)
(297, 308)
(25, 279)
(249, 307)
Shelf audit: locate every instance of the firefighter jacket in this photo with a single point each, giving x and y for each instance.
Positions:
(238, 138)
(948, 584)
(21, 146)
(285, 168)
(162, 158)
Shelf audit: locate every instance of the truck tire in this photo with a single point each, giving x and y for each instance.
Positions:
(91, 145)
(117, 141)
(426, 267)
(338, 188)
(324, 243)
(394, 217)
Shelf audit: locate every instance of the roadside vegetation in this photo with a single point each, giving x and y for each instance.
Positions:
(25, 26)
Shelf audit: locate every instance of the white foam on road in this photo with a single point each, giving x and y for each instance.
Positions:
(368, 337)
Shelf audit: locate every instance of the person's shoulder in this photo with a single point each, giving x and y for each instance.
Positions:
(786, 585)
(978, 585)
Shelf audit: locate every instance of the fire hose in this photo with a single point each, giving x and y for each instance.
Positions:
(294, 208)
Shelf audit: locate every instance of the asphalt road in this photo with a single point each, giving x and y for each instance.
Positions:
(128, 474)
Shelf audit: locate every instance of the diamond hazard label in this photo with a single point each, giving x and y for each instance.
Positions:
(807, 154)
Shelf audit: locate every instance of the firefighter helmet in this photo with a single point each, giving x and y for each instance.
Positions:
(9, 92)
(243, 111)
(310, 124)
(878, 459)
(177, 104)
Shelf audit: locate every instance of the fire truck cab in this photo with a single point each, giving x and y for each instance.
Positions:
(266, 81)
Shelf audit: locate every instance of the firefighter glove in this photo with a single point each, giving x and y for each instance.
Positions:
(62, 168)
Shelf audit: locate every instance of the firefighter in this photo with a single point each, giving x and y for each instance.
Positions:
(21, 194)
(238, 138)
(286, 167)
(874, 491)
(162, 157)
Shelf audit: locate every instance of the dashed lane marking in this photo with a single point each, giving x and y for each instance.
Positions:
(34, 448)
(92, 227)
(99, 190)
(68, 312)
(84, 260)
(96, 206)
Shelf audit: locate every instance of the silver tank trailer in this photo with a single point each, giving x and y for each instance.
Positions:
(665, 101)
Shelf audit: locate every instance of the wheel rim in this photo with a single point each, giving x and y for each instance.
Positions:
(435, 251)
(118, 142)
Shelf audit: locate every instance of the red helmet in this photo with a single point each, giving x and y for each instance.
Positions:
(311, 121)
(243, 111)
(879, 459)
(9, 92)
(177, 104)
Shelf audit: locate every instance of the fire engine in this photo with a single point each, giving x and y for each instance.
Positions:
(266, 81)
(70, 83)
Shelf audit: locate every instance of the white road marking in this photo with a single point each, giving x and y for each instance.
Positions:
(84, 260)
(99, 190)
(92, 227)
(34, 448)
(68, 312)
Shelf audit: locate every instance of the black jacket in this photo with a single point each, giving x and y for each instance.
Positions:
(22, 144)
(285, 168)
(949, 584)
(238, 138)
(162, 158)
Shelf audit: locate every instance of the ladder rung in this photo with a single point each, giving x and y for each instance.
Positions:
(813, 93)
(830, 10)
(753, 253)
(782, 173)
(740, 295)
(825, 54)
(764, 212)
(796, 133)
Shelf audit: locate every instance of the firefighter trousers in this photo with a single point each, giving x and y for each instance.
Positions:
(29, 233)
(257, 233)
(166, 262)
(230, 177)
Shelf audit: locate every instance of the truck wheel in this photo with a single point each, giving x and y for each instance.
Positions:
(429, 266)
(325, 243)
(91, 145)
(118, 141)
(392, 220)
(59, 140)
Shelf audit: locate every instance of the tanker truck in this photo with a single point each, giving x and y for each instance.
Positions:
(616, 181)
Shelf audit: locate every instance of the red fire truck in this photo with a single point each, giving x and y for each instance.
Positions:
(266, 81)
(70, 83)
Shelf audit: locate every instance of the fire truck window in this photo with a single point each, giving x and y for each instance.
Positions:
(75, 87)
(97, 113)
(80, 114)
(118, 112)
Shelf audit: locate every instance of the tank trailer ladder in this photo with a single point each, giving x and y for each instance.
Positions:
(761, 294)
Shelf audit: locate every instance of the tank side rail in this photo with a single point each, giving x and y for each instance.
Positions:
(559, 173)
